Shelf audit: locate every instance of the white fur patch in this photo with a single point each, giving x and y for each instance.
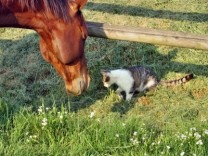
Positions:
(150, 83)
(122, 78)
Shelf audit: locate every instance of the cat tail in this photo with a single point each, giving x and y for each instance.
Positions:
(177, 81)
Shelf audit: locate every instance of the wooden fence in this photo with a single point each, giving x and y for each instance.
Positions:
(145, 35)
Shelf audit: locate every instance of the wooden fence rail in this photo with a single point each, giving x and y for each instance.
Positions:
(145, 35)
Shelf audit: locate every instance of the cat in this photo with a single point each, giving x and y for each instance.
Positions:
(136, 79)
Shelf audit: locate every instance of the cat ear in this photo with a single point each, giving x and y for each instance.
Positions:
(104, 72)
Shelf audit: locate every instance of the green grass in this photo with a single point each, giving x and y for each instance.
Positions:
(166, 121)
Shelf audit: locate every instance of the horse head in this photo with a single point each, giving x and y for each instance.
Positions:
(62, 32)
(62, 44)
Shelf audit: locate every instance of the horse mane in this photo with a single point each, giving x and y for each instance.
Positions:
(59, 8)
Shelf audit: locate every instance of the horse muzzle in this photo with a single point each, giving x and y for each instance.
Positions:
(78, 85)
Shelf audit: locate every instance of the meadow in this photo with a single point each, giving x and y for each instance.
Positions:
(38, 117)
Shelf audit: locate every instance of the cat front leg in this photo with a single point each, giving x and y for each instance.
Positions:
(118, 90)
(119, 93)
(129, 96)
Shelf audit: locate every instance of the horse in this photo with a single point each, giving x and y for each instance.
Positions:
(62, 33)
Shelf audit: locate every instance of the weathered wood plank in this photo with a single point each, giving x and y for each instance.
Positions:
(145, 35)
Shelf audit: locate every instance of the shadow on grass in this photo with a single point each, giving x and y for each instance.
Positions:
(24, 75)
(144, 12)
(26, 80)
(147, 56)
(123, 107)
(107, 54)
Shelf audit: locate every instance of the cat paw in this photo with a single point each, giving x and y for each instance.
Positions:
(120, 96)
(118, 91)
(128, 97)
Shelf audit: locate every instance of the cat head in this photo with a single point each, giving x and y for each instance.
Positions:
(107, 79)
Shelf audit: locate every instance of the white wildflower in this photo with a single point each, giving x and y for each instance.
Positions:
(61, 117)
(199, 142)
(135, 133)
(134, 141)
(123, 124)
(183, 137)
(206, 131)
(32, 136)
(44, 122)
(182, 153)
(98, 120)
(168, 147)
(40, 109)
(197, 135)
(92, 114)
(194, 154)
(193, 129)
(117, 135)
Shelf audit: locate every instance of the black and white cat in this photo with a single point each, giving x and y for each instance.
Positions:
(136, 79)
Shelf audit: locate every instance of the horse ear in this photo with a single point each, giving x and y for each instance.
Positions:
(78, 4)
(81, 3)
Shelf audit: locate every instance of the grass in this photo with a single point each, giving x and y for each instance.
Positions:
(39, 118)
